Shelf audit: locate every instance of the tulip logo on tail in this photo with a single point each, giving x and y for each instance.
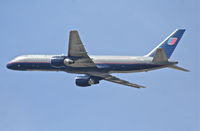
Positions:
(172, 41)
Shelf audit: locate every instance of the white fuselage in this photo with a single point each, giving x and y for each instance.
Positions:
(111, 64)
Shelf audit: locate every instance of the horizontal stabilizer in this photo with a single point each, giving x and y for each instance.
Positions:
(178, 68)
(160, 56)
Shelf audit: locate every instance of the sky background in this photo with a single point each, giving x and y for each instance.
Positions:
(49, 101)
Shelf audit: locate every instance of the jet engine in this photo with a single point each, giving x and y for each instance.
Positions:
(60, 61)
(85, 81)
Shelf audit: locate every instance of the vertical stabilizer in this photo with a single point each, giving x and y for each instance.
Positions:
(169, 44)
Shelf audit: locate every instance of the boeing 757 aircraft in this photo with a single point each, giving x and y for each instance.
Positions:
(97, 68)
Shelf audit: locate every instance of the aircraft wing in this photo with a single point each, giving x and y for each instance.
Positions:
(120, 81)
(114, 79)
(77, 49)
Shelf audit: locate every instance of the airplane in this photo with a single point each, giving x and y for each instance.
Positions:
(93, 69)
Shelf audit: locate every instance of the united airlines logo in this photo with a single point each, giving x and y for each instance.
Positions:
(172, 41)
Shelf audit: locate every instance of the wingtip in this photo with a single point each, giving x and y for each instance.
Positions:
(73, 31)
(140, 87)
(187, 70)
(182, 29)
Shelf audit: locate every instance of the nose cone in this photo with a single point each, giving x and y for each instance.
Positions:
(10, 66)
(14, 64)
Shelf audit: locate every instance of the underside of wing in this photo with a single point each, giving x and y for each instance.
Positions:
(114, 79)
(77, 50)
(123, 82)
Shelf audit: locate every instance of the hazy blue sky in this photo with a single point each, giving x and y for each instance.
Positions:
(50, 101)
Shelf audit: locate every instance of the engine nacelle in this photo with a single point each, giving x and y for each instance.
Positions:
(60, 61)
(68, 61)
(85, 81)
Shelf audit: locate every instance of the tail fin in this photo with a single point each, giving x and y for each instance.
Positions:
(169, 44)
